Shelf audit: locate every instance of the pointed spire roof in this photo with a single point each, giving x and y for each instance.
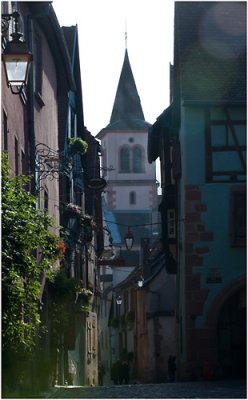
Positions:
(127, 102)
(127, 111)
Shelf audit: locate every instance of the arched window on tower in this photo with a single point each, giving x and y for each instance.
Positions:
(124, 159)
(138, 162)
(132, 198)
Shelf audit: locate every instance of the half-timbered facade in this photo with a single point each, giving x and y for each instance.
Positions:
(202, 138)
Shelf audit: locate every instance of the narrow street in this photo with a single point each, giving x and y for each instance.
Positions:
(233, 389)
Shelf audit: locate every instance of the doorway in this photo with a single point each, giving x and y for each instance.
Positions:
(231, 331)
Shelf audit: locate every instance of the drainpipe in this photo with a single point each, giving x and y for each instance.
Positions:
(30, 102)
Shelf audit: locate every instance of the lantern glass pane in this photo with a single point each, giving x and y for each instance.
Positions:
(140, 283)
(129, 242)
(16, 69)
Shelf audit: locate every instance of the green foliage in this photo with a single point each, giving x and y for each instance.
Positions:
(29, 249)
(78, 145)
(63, 292)
(62, 288)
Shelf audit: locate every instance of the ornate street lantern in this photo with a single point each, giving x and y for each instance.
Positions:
(16, 58)
(129, 240)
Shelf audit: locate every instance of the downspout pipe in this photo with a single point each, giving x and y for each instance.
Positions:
(30, 101)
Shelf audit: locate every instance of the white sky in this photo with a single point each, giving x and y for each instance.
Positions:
(101, 26)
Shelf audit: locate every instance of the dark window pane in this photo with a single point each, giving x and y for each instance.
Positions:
(124, 159)
(137, 159)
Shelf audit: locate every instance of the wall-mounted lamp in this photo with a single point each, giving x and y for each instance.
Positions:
(119, 300)
(129, 239)
(16, 57)
(140, 281)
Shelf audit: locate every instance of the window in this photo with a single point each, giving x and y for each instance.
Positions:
(171, 218)
(46, 200)
(238, 216)
(132, 198)
(78, 195)
(124, 159)
(225, 144)
(131, 159)
(137, 159)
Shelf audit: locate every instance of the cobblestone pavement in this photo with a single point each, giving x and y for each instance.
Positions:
(179, 390)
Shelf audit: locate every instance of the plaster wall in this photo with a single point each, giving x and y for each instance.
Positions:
(46, 119)
(163, 332)
(14, 111)
(214, 199)
(112, 141)
(144, 197)
(208, 262)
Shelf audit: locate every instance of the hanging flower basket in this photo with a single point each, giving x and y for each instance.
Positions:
(77, 211)
(85, 292)
(85, 295)
(73, 208)
(62, 247)
(77, 145)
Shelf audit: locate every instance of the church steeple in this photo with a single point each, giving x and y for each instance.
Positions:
(127, 107)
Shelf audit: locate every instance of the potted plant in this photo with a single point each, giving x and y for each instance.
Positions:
(77, 145)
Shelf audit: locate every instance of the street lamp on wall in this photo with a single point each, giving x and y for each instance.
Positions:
(119, 300)
(16, 56)
(140, 284)
(140, 281)
(129, 240)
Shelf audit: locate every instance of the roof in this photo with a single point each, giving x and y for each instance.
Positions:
(131, 279)
(69, 33)
(210, 50)
(44, 13)
(127, 104)
(127, 111)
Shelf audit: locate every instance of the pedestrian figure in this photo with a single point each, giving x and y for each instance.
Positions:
(125, 372)
(208, 370)
(116, 373)
(171, 368)
(101, 372)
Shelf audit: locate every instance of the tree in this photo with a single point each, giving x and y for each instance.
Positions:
(29, 249)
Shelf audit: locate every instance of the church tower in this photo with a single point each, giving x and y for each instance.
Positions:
(131, 192)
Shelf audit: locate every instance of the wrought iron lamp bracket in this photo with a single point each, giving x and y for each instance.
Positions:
(5, 21)
(50, 164)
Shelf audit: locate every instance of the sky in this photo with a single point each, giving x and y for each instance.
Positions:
(103, 26)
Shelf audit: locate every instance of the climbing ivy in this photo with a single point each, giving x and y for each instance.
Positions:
(26, 233)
